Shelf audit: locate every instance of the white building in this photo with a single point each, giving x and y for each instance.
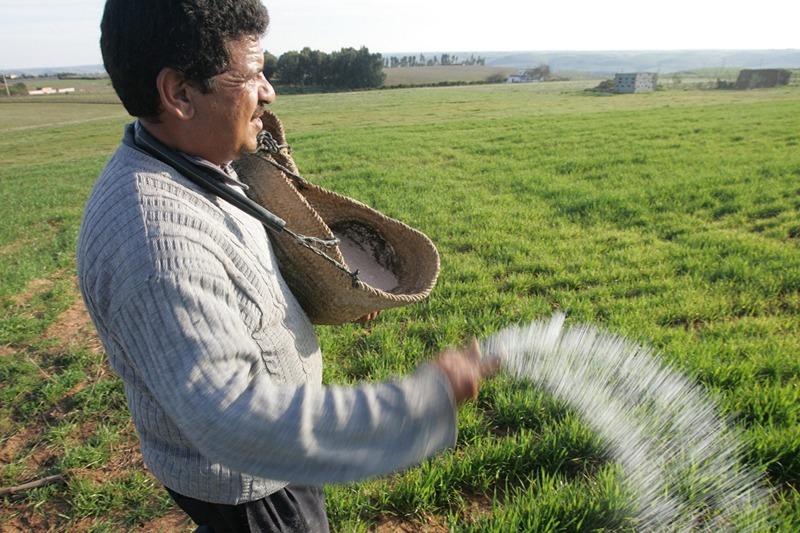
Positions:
(529, 75)
(50, 90)
(635, 82)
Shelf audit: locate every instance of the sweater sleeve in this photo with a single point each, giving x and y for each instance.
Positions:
(197, 361)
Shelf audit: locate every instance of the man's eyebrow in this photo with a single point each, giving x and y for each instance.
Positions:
(253, 72)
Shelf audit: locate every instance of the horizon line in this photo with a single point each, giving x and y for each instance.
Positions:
(10, 70)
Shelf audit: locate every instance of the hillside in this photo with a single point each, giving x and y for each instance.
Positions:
(600, 63)
(604, 63)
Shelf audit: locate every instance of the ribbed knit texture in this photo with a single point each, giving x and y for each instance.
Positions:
(222, 369)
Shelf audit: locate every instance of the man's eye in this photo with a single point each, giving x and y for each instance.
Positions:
(255, 79)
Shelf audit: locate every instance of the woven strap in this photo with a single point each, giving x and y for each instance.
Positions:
(268, 144)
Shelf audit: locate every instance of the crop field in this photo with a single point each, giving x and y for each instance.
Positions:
(670, 218)
(451, 73)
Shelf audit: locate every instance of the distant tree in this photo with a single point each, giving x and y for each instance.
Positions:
(270, 65)
(18, 89)
(302, 68)
(473, 60)
(315, 63)
(355, 69)
(540, 73)
(497, 77)
(346, 69)
(290, 71)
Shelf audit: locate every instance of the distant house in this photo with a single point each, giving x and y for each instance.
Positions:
(50, 90)
(762, 78)
(635, 82)
(530, 75)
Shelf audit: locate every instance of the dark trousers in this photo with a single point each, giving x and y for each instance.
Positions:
(293, 509)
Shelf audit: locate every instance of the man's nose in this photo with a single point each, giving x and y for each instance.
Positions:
(266, 94)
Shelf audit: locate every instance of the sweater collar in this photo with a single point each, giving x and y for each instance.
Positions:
(224, 173)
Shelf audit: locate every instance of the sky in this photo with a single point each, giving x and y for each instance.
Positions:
(60, 33)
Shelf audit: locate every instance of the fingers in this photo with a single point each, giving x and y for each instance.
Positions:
(473, 350)
(465, 368)
(492, 361)
(490, 366)
(367, 318)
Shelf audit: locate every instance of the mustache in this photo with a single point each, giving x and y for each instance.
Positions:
(260, 110)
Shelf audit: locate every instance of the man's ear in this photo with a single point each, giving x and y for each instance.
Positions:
(176, 94)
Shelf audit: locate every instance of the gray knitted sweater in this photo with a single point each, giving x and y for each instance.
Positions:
(222, 369)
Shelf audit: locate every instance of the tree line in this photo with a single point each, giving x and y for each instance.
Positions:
(435, 61)
(346, 69)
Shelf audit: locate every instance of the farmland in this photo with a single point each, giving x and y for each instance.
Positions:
(434, 75)
(672, 218)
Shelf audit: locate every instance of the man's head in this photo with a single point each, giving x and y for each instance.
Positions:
(139, 38)
(191, 70)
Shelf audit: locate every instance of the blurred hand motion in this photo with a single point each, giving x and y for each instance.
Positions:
(465, 369)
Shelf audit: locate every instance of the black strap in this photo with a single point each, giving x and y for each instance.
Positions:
(201, 177)
(197, 174)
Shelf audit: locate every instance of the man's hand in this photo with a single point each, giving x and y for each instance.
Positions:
(464, 369)
(367, 318)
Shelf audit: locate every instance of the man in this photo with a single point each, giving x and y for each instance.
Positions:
(222, 369)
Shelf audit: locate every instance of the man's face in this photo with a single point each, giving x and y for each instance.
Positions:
(227, 119)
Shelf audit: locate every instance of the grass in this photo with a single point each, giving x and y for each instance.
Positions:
(672, 218)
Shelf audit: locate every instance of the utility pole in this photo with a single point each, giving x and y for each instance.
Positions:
(8, 92)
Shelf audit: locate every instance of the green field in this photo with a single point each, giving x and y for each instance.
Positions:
(672, 218)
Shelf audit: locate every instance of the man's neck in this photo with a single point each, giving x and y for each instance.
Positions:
(178, 137)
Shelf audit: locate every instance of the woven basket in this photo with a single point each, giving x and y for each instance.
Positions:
(396, 265)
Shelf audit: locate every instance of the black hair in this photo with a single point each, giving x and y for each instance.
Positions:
(139, 38)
